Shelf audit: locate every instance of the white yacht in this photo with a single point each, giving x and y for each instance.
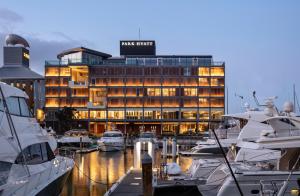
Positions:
(281, 178)
(75, 138)
(111, 141)
(28, 165)
(250, 123)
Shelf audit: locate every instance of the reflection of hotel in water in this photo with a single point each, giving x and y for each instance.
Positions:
(166, 93)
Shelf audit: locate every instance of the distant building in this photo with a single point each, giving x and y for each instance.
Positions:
(138, 91)
(16, 70)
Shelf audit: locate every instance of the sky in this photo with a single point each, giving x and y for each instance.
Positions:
(258, 40)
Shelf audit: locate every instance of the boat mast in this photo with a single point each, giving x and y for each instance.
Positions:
(227, 163)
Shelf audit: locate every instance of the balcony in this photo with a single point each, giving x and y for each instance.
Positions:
(78, 84)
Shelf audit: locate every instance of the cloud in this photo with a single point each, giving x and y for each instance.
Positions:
(8, 19)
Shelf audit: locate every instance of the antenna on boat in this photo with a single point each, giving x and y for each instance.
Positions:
(12, 127)
(256, 100)
(227, 163)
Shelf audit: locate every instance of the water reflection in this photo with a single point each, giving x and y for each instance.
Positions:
(95, 172)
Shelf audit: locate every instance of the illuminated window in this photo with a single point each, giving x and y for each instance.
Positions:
(204, 82)
(134, 82)
(94, 114)
(203, 92)
(81, 114)
(52, 71)
(169, 91)
(203, 71)
(134, 114)
(204, 114)
(217, 102)
(171, 82)
(116, 102)
(152, 102)
(152, 82)
(134, 102)
(203, 102)
(170, 114)
(217, 71)
(65, 71)
(52, 102)
(217, 92)
(190, 92)
(115, 92)
(189, 81)
(216, 114)
(187, 128)
(153, 92)
(190, 102)
(217, 81)
(203, 126)
(170, 102)
(189, 115)
(152, 114)
(170, 128)
(115, 114)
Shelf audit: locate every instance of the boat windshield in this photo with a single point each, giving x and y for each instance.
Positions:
(112, 135)
(147, 135)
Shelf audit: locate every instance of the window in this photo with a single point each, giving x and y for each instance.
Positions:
(24, 108)
(35, 154)
(13, 106)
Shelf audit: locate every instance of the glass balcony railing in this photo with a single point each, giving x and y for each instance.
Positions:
(139, 61)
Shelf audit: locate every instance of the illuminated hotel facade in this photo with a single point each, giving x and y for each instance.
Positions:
(138, 91)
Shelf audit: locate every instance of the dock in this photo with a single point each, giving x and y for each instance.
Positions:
(129, 185)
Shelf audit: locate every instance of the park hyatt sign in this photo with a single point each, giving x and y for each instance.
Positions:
(141, 47)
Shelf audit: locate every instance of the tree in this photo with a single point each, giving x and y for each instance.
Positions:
(66, 118)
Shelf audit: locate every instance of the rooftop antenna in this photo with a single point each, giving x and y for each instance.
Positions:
(139, 33)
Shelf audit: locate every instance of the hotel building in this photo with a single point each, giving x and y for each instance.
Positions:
(138, 91)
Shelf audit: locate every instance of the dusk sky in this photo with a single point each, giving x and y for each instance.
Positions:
(258, 40)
